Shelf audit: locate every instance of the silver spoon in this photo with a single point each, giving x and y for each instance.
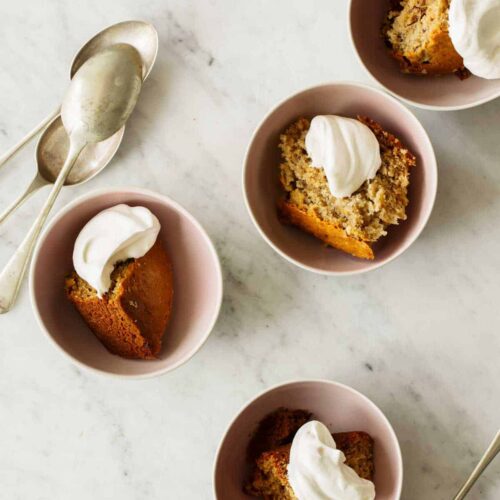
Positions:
(488, 456)
(139, 34)
(53, 145)
(98, 102)
(51, 152)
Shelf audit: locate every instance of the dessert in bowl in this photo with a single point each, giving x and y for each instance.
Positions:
(122, 282)
(176, 283)
(431, 43)
(269, 449)
(368, 189)
(345, 181)
(294, 456)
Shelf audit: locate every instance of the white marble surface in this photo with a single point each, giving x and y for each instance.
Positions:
(419, 337)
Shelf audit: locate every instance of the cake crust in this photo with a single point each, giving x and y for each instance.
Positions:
(327, 232)
(130, 320)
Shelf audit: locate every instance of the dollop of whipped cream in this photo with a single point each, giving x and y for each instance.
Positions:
(113, 235)
(474, 27)
(346, 149)
(317, 470)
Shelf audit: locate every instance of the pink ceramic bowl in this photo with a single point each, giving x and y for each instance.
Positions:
(197, 284)
(262, 190)
(337, 406)
(437, 93)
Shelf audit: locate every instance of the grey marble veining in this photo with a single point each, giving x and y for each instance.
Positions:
(419, 337)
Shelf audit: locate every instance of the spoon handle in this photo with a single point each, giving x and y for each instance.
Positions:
(35, 185)
(14, 149)
(488, 456)
(12, 275)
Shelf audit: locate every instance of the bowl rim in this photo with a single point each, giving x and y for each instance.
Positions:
(411, 102)
(250, 402)
(163, 199)
(372, 266)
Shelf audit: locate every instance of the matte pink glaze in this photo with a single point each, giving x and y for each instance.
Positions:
(197, 284)
(438, 93)
(262, 189)
(339, 407)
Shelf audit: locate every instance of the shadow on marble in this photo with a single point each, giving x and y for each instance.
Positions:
(468, 173)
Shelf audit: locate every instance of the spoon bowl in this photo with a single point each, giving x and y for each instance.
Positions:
(102, 95)
(51, 152)
(53, 148)
(141, 35)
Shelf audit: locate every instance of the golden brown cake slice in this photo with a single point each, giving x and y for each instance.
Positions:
(270, 477)
(130, 320)
(417, 33)
(350, 224)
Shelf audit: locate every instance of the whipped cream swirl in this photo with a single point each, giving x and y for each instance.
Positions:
(317, 470)
(113, 235)
(346, 149)
(474, 27)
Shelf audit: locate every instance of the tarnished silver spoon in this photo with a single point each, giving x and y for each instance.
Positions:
(53, 145)
(141, 35)
(51, 152)
(489, 455)
(98, 102)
